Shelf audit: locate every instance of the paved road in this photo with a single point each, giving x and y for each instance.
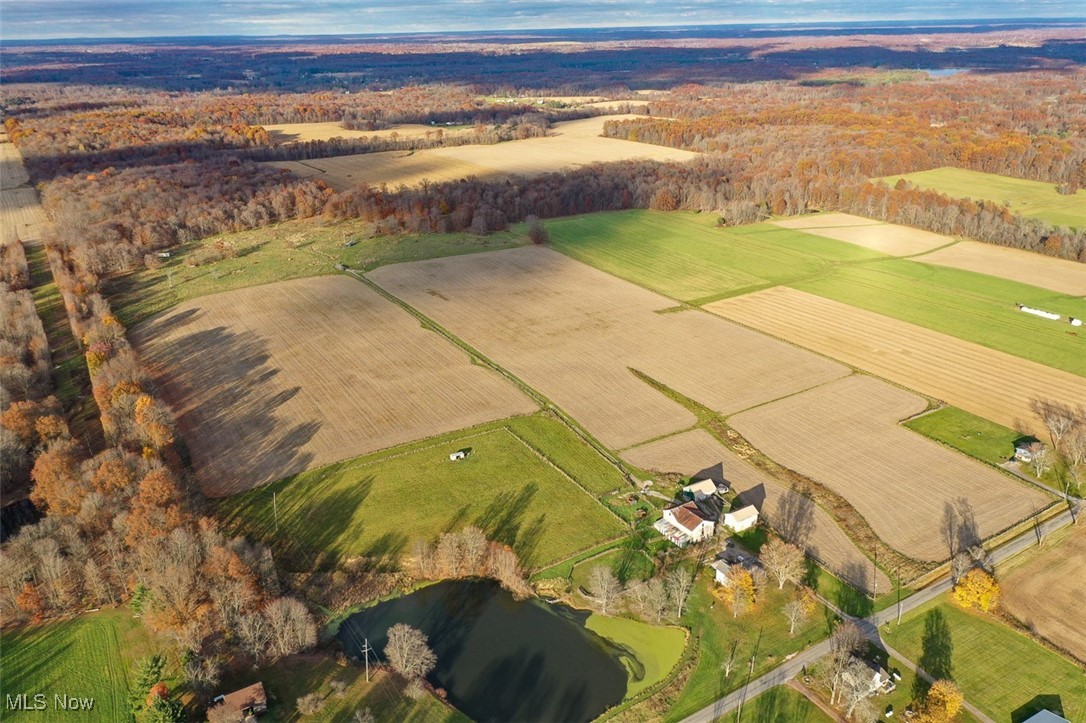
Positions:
(870, 625)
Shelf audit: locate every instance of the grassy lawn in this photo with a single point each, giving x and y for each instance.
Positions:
(652, 650)
(286, 251)
(761, 632)
(377, 504)
(294, 677)
(782, 705)
(628, 564)
(1027, 198)
(90, 656)
(971, 306)
(1000, 670)
(684, 255)
(968, 433)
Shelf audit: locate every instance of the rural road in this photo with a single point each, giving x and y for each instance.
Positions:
(783, 673)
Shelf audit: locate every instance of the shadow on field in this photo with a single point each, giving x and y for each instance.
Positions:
(794, 518)
(959, 526)
(217, 383)
(503, 521)
(937, 651)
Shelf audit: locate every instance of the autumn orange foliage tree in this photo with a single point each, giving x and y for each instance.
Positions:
(977, 588)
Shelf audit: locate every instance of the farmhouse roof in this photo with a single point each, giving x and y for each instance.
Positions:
(689, 516)
(704, 487)
(1046, 716)
(744, 513)
(247, 698)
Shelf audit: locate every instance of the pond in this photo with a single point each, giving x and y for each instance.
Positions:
(501, 659)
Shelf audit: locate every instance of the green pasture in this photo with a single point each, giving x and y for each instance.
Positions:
(968, 433)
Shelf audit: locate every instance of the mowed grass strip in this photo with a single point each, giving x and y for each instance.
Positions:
(1036, 199)
(987, 441)
(90, 656)
(376, 505)
(685, 256)
(1001, 671)
(967, 305)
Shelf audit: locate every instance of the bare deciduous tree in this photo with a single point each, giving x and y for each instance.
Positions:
(408, 652)
(603, 587)
(784, 561)
(652, 599)
(795, 612)
(292, 627)
(679, 583)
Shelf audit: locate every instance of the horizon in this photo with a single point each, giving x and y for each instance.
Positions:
(127, 20)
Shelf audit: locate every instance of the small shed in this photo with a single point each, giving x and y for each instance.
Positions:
(457, 456)
(700, 488)
(245, 704)
(742, 519)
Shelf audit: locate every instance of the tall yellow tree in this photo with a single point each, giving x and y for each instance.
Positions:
(738, 591)
(977, 588)
(942, 703)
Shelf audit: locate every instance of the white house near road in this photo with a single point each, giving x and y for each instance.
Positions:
(742, 519)
(685, 524)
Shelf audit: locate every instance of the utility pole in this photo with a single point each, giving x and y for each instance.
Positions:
(275, 511)
(366, 654)
(898, 575)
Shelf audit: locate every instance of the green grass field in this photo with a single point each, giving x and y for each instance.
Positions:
(653, 650)
(782, 705)
(628, 565)
(90, 656)
(968, 433)
(286, 251)
(684, 256)
(963, 304)
(1001, 671)
(761, 632)
(376, 505)
(1028, 198)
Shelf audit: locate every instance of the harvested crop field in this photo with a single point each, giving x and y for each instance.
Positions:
(574, 333)
(12, 172)
(21, 216)
(885, 237)
(272, 380)
(571, 144)
(1047, 272)
(1046, 592)
(301, 132)
(846, 436)
(792, 515)
(986, 382)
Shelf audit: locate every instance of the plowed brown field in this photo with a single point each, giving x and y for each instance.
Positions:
(885, 237)
(986, 382)
(272, 380)
(12, 172)
(1047, 593)
(21, 216)
(791, 514)
(846, 436)
(300, 132)
(571, 144)
(574, 333)
(1068, 277)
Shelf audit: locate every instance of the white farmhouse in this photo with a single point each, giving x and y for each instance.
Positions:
(700, 488)
(742, 519)
(685, 524)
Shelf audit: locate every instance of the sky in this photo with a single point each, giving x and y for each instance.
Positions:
(41, 19)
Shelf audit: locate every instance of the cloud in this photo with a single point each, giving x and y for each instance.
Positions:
(142, 18)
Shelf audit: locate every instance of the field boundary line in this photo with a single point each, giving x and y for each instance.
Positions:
(531, 392)
(659, 438)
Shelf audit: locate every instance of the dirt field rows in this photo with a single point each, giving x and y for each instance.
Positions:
(574, 333)
(300, 132)
(272, 380)
(885, 237)
(1068, 277)
(845, 435)
(12, 173)
(571, 144)
(1045, 593)
(791, 514)
(21, 216)
(988, 383)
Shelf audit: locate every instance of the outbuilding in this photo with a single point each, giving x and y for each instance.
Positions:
(742, 519)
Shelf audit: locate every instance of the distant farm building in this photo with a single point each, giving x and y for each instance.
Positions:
(457, 456)
(701, 488)
(1027, 452)
(242, 705)
(742, 519)
(686, 524)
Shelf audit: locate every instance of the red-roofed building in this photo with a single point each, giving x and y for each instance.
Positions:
(241, 705)
(686, 524)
